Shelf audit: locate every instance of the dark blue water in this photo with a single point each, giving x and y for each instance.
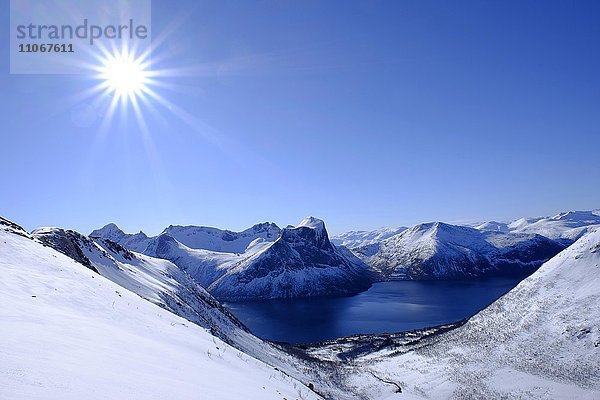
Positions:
(386, 307)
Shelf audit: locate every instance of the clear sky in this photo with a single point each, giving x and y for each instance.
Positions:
(362, 113)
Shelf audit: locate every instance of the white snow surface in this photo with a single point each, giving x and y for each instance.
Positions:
(69, 333)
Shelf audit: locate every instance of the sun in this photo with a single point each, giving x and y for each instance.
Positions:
(124, 75)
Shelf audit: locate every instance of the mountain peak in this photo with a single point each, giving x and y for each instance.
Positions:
(109, 231)
(493, 226)
(264, 226)
(313, 223)
(428, 226)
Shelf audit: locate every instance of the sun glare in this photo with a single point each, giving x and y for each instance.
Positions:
(124, 75)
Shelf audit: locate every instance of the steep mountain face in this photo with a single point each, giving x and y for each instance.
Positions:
(301, 263)
(67, 242)
(539, 341)
(70, 333)
(354, 239)
(443, 251)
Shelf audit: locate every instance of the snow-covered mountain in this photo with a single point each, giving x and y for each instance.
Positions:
(222, 241)
(302, 262)
(135, 242)
(443, 251)
(353, 239)
(568, 226)
(539, 341)
(205, 266)
(195, 237)
(70, 333)
(262, 262)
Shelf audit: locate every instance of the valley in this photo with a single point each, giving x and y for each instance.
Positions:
(384, 337)
(392, 306)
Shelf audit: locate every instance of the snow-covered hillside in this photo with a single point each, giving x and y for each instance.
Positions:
(539, 341)
(353, 239)
(166, 285)
(204, 265)
(443, 251)
(68, 333)
(154, 279)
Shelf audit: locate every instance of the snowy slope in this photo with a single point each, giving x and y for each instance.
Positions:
(442, 251)
(154, 279)
(69, 333)
(166, 285)
(539, 341)
(204, 265)
(355, 239)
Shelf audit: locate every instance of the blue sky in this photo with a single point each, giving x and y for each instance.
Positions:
(362, 113)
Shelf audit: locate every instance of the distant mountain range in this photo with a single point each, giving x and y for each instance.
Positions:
(567, 226)
(443, 251)
(266, 262)
(261, 262)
